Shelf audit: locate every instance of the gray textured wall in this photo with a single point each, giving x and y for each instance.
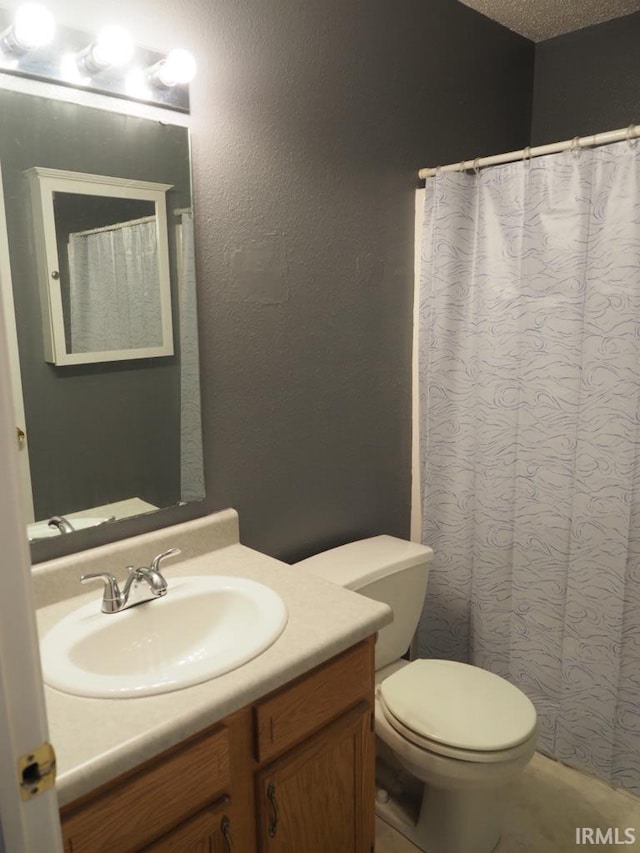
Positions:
(587, 82)
(329, 110)
(310, 121)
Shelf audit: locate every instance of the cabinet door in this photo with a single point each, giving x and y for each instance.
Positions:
(209, 831)
(320, 796)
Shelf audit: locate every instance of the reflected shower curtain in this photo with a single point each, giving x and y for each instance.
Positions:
(191, 457)
(114, 287)
(530, 440)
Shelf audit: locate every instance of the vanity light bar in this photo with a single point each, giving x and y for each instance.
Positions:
(110, 63)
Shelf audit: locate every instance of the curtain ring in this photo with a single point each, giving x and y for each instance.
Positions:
(526, 156)
(576, 148)
(476, 165)
(632, 137)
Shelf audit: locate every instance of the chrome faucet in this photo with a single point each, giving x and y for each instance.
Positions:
(142, 584)
(61, 523)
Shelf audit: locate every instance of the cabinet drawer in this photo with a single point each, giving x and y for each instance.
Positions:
(209, 831)
(318, 697)
(139, 807)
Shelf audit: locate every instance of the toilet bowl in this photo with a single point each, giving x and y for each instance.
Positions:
(464, 733)
(459, 733)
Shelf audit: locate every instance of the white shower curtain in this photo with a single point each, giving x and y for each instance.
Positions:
(114, 282)
(191, 454)
(530, 441)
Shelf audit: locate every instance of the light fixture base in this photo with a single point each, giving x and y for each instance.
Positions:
(46, 64)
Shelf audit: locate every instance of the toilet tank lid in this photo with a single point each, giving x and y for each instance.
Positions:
(367, 560)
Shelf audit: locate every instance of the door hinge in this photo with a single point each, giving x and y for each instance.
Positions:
(37, 771)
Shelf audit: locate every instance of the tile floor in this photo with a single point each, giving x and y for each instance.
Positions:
(543, 809)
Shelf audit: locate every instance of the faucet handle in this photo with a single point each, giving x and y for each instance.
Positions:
(155, 563)
(111, 598)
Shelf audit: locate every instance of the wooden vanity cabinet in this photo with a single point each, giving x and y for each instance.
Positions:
(293, 772)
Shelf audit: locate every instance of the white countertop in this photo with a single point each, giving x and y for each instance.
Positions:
(98, 739)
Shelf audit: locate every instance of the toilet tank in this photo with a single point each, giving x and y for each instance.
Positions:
(386, 569)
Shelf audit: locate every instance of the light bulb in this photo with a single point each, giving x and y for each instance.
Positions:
(178, 68)
(113, 47)
(33, 27)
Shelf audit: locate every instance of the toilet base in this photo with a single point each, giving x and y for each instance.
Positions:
(401, 816)
(438, 820)
(459, 822)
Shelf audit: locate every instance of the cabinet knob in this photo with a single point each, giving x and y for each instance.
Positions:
(273, 823)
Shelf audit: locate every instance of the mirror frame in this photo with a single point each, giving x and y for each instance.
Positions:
(44, 183)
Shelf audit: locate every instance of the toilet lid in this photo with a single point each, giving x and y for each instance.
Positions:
(459, 705)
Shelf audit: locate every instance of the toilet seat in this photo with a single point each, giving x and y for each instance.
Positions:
(458, 710)
(468, 755)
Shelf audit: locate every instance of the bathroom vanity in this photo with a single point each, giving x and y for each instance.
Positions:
(292, 771)
(275, 755)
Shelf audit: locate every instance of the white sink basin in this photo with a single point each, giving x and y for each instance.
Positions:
(203, 627)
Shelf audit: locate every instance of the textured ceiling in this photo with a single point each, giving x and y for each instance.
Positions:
(542, 19)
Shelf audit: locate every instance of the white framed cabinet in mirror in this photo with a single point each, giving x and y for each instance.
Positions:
(103, 265)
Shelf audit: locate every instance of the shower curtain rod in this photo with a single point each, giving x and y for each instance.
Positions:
(629, 133)
(115, 226)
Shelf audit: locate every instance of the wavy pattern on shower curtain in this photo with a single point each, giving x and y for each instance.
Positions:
(530, 407)
(114, 288)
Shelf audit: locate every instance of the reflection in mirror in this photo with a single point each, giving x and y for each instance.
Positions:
(109, 273)
(109, 438)
(103, 255)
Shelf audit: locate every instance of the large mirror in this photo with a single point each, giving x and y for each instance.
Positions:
(109, 436)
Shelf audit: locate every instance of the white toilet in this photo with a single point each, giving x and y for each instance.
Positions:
(462, 731)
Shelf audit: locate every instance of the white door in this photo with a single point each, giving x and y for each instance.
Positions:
(20, 436)
(30, 826)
